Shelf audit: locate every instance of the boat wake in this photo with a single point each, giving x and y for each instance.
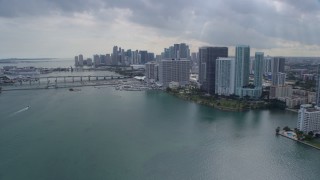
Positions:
(20, 111)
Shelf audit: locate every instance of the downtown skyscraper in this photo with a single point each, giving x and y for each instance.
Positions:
(177, 51)
(278, 74)
(114, 59)
(207, 66)
(258, 73)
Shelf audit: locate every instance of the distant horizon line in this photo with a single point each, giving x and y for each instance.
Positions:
(53, 58)
(32, 58)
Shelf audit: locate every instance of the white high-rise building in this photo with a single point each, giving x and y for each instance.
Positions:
(225, 76)
(174, 71)
(308, 118)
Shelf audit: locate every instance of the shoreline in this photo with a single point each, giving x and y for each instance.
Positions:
(292, 110)
(58, 87)
(221, 108)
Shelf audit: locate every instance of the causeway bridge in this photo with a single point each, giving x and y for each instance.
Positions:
(66, 79)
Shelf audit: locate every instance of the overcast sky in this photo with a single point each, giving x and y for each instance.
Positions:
(64, 28)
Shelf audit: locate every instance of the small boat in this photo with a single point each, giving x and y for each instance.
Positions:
(74, 90)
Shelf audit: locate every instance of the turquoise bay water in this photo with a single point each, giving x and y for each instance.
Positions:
(108, 134)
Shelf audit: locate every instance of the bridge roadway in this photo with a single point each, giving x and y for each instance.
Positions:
(68, 79)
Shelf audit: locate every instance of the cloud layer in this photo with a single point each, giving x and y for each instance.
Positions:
(62, 28)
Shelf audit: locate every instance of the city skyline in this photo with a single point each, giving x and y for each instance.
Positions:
(61, 29)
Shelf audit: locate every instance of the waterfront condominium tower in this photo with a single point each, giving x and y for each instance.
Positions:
(242, 68)
(318, 86)
(225, 71)
(207, 66)
(258, 69)
(278, 76)
(308, 118)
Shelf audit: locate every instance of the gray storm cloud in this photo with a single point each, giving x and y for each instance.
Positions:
(260, 23)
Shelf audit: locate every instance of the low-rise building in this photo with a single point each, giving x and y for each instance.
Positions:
(277, 92)
(300, 92)
(292, 97)
(174, 85)
(251, 92)
(294, 102)
(308, 77)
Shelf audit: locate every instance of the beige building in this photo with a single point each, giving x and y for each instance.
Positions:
(277, 92)
(294, 102)
(292, 97)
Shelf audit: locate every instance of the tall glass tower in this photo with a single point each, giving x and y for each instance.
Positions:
(258, 69)
(277, 71)
(207, 66)
(242, 68)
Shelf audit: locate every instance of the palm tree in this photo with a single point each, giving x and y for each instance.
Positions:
(286, 128)
(310, 133)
